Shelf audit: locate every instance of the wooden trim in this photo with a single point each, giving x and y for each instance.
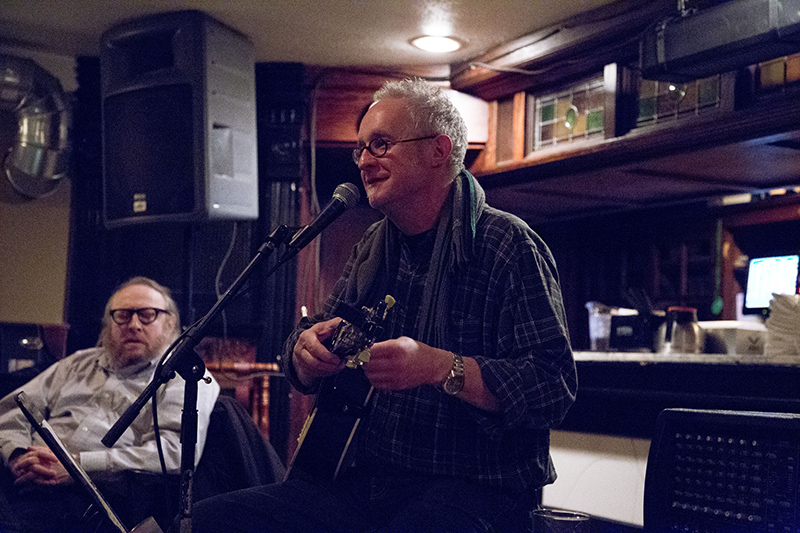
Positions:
(520, 101)
(783, 213)
(763, 120)
(621, 105)
(487, 159)
(729, 286)
(683, 284)
(610, 108)
(340, 98)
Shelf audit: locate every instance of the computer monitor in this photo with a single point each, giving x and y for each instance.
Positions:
(768, 275)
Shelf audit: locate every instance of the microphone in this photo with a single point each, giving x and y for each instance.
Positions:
(344, 197)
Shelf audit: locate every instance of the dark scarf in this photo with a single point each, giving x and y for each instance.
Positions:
(455, 234)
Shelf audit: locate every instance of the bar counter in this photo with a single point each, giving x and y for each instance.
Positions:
(700, 358)
(622, 393)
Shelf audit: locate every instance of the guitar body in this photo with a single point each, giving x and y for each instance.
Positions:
(326, 443)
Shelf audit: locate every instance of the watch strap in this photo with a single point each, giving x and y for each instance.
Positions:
(454, 382)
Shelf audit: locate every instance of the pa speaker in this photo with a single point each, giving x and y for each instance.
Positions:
(179, 127)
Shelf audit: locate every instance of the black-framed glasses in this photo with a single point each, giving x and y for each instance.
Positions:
(147, 315)
(378, 146)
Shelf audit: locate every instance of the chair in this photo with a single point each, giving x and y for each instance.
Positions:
(236, 455)
(723, 471)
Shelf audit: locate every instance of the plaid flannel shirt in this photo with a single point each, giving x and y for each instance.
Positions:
(507, 313)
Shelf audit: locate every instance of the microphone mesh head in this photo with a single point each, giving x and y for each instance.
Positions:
(347, 193)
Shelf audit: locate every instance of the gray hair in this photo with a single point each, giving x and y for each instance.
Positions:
(432, 112)
(172, 307)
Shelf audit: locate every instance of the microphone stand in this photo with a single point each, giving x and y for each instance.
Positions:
(182, 358)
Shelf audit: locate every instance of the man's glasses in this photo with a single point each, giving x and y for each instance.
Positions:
(378, 147)
(147, 315)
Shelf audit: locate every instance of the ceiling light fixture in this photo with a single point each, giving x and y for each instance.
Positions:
(436, 44)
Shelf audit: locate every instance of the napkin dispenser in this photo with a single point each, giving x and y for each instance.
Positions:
(734, 337)
(637, 332)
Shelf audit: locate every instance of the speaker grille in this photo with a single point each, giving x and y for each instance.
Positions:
(149, 149)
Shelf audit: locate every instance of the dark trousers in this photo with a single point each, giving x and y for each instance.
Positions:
(48, 510)
(133, 496)
(363, 503)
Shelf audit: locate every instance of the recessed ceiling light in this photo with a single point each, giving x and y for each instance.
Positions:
(436, 44)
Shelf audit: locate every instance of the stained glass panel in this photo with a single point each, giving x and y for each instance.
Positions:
(660, 101)
(571, 115)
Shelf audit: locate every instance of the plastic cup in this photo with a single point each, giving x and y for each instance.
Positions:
(599, 326)
(558, 521)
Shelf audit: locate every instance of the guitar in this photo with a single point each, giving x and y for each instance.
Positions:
(324, 448)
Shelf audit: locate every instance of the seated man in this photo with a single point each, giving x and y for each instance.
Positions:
(473, 368)
(82, 396)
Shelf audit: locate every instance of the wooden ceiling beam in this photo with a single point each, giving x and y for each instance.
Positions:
(578, 46)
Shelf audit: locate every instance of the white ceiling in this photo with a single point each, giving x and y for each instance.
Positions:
(325, 33)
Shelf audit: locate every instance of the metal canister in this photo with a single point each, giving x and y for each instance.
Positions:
(683, 334)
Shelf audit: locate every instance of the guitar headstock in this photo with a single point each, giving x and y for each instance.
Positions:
(353, 342)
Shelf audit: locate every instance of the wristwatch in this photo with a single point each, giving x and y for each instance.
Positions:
(454, 382)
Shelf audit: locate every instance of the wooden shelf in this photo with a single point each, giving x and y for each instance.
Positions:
(699, 157)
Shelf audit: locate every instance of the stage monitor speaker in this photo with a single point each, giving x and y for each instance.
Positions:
(179, 121)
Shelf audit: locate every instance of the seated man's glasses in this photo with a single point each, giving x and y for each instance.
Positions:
(378, 147)
(146, 315)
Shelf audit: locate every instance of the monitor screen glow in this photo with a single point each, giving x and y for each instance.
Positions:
(768, 275)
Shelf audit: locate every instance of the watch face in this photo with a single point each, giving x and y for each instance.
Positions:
(453, 384)
(455, 379)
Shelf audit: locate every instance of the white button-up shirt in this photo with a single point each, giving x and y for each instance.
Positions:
(82, 396)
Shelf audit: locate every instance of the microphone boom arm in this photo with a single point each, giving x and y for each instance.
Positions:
(182, 358)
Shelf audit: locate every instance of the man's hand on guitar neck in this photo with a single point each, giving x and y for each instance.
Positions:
(312, 360)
